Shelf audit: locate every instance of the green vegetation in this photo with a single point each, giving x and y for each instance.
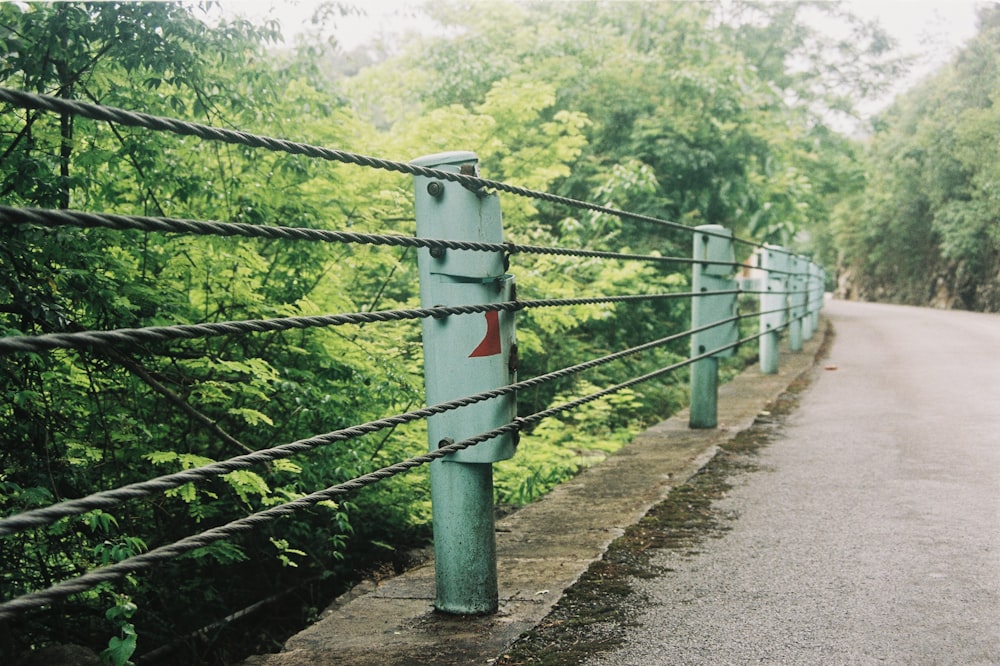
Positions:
(694, 112)
(926, 229)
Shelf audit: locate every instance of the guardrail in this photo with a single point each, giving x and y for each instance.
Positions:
(468, 303)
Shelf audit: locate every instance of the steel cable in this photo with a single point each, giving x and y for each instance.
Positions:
(538, 416)
(53, 218)
(106, 499)
(83, 339)
(144, 561)
(35, 101)
(109, 498)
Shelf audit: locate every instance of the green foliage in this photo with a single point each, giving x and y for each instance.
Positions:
(122, 646)
(926, 229)
(79, 422)
(285, 552)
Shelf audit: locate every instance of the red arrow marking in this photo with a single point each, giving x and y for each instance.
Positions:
(490, 346)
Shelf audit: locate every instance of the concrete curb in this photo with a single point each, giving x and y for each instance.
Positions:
(542, 549)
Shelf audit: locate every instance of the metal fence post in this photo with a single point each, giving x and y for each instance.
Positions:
(714, 246)
(797, 285)
(819, 290)
(809, 320)
(773, 305)
(464, 355)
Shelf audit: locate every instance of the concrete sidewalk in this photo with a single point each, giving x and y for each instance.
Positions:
(542, 549)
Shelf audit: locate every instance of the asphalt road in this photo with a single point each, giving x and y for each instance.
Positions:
(872, 533)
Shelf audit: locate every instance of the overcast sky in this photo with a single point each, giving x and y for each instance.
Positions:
(915, 23)
(932, 30)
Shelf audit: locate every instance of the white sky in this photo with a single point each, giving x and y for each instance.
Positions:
(932, 30)
(915, 23)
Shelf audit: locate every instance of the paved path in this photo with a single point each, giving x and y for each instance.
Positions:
(873, 534)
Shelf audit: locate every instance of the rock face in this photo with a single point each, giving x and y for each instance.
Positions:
(954, 286)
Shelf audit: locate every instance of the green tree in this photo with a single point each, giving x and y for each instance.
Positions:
(928, 233)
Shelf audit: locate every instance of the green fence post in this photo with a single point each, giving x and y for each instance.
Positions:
(809, 321)
(797, 285)
(818, 293)
(773, 304)
(712, 243)
(807, 318)
(464, 355)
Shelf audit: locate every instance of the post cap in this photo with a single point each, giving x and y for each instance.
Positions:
(454, 158)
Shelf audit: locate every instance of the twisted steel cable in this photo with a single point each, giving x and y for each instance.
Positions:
(144, 561)
(83, 339)
(759, 292)
(35, 101)
(573, 404)
(163, 553)
(516, 248)
(53, 218)
(108, 498)
(760, 313)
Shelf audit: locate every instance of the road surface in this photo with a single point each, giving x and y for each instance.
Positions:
(872, 534)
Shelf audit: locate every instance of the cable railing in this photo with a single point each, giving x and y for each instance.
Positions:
(38, 102)
(471, 380)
